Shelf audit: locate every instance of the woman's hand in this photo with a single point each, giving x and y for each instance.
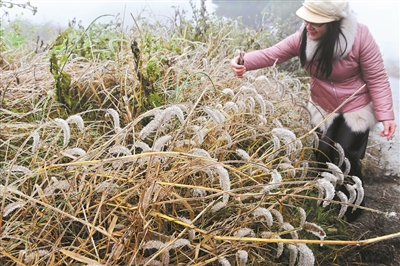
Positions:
(389, 127)
(237, 66)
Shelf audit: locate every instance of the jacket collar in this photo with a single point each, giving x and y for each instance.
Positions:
(349, 26)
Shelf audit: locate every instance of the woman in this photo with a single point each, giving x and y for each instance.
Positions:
(341, 56)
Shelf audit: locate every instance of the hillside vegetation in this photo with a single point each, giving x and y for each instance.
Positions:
(138, 146)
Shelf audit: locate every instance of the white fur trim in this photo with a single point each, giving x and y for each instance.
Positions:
(362, 119)
(358, 121)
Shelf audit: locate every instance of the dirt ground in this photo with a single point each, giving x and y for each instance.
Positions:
(382, 192)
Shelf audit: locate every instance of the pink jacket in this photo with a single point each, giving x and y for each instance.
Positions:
(361, 64)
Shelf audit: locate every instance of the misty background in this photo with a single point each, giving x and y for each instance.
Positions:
(382, 18)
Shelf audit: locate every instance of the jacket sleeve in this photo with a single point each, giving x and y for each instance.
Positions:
(375, 76)
(281, 51)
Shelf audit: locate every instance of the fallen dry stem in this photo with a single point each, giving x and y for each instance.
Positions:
(273, 240)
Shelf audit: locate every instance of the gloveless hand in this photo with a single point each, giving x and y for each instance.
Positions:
(389, 127)
(238, 69)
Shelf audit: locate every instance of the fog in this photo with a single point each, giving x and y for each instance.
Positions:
(382, 18)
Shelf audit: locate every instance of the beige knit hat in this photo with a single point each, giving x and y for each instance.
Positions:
(323, 11)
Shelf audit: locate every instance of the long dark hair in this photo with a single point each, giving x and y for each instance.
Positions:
(325, 52)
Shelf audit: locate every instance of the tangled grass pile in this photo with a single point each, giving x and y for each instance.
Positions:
(155, 154)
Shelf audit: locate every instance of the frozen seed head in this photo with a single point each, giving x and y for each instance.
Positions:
(36, 254)
(21, 169)
(65, 128)
(341, 153)
(229, 92)
(306, 257)
(180, 242)
(75, 152)
(215, 115)
(290, 228)
(293, 251)
(303, 215)
(277, 215)
(243, 154)
(263, 212)
(348, 166)
(154, 244)
(343, 198)
(242, 257)
(115, 116)
(337, 172)
(160, 118)
(12, 206)
(142, 145)
(315, 230)
(77, 119)
(242, 232)
(275, 182)
(160, 142)
(224, 261)
(352, 193)
(328, 188)
(329, 177)
(36, 141)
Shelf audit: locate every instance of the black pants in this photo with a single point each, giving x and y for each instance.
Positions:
(354, 145)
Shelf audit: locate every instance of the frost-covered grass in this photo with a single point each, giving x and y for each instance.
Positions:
(195, 167)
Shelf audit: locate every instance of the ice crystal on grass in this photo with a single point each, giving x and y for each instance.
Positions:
(271, 235)
(191, 232)
(348, 166)
(57, 185)
(225, 184)
(341, 153)
(77, 119)
(140, 144)
(337, 172)
(35, 254)
(216, 115)
(12, 206)
(277, 215)
(118, 149)
(328, 188)
(20, 168)
(115, 116)
(75, 152)
(65, 128)
(229, 92)
(304, 170)
(303, 215)
(224, 261)
(306, 257)
(264, 213)
(36, 141)
(243, 154)
(275, 182)
(288, 138)
(343, 198)
(290, 228)
(293, 252)
(160, 118)
(352, 193)
(360, 191)
(199, 193)
(330, 177)
(242, 232)
(242, 257)
(150, 192)
(160, 142)
(315, 230)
